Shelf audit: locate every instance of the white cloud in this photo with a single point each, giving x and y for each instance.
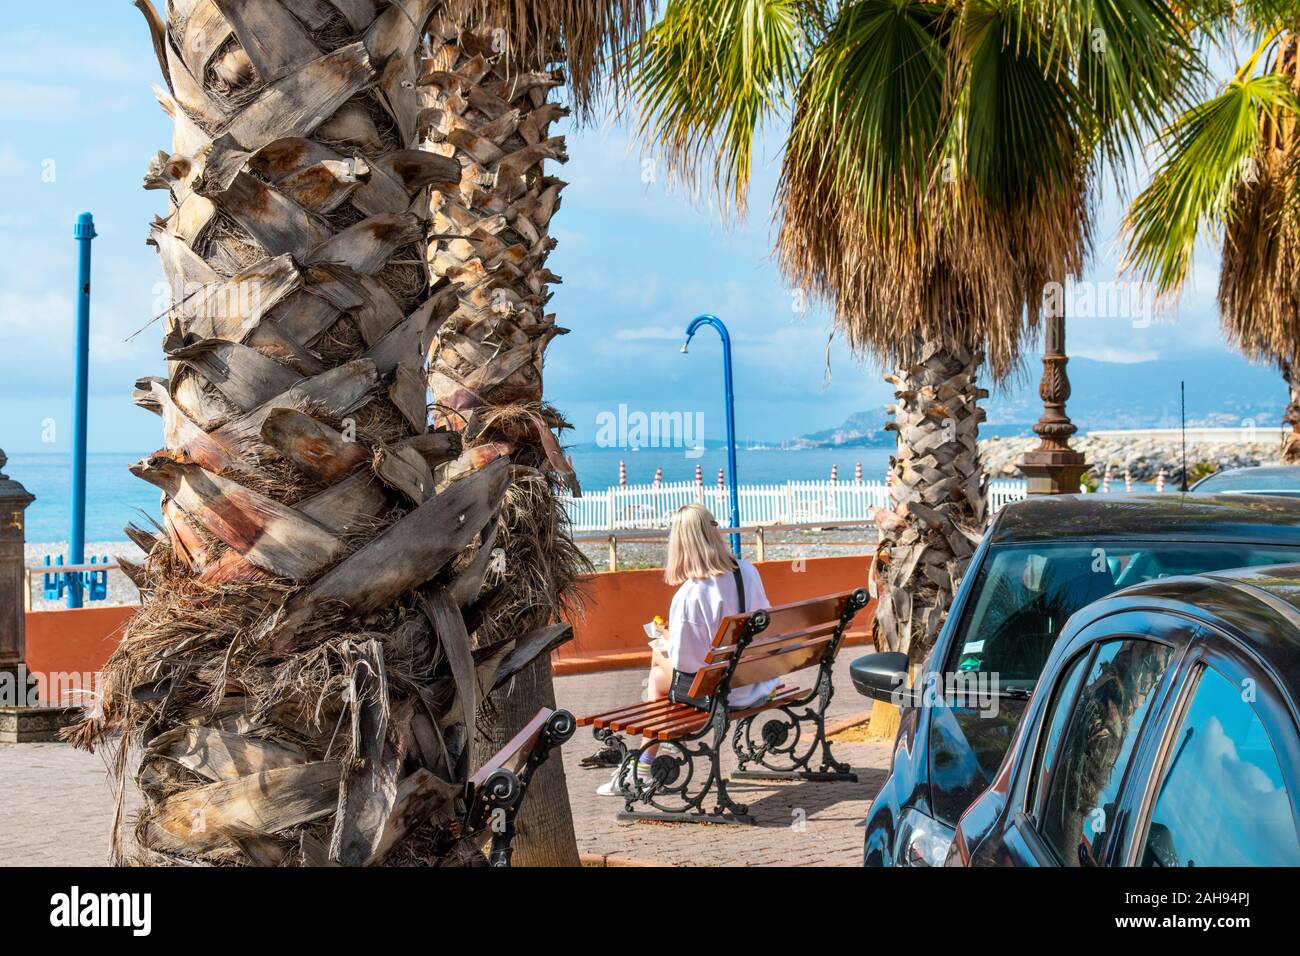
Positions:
(1104, 354)
(37, 101)
(11, 164)
(37, 54)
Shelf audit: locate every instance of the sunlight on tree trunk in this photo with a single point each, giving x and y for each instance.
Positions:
(491, 241)
(299, 680)
(937, 490)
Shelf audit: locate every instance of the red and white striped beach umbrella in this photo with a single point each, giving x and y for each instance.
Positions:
(622, 474)
(699, 476)
(722, 480)
(835, 473)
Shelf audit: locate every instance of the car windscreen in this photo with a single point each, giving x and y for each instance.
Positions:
(1273, 481)
(1024, 594)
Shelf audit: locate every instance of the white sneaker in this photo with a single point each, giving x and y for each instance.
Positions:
(615, 787)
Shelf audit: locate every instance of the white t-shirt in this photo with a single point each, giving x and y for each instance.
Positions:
(698, 608)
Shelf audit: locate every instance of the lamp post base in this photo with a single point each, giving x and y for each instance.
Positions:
(1053, 471)
(30, 725)
(23, 718)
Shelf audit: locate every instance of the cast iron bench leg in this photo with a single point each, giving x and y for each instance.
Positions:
(671, 794)
(780, 749)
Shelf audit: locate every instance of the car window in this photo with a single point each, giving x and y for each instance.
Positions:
(1096, 747)
(1024, 594)
(1259, 480)
(1058, 712)
(1222, 800)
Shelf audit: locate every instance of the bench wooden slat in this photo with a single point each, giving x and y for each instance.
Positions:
(784, 618)
(606, 716)
(764, 642)
(777, 665)
(779, 697)
(681, 729)
(647, 713)
(682, 719)
(802, 614)
(774, 661)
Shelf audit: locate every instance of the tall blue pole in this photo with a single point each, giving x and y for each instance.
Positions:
(84, 232)
(696, 324)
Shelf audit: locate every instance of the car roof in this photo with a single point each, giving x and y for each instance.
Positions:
(1260, 607)
(1170, 515)
(1259, 478)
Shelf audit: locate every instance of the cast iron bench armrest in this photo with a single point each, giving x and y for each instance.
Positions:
(495, 793)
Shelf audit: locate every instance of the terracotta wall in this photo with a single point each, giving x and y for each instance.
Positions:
(73, 645)
(609, 635)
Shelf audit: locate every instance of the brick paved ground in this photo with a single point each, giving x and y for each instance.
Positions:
(56, 806)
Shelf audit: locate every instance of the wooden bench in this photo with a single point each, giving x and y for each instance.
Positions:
(494, 794)
(747, 649)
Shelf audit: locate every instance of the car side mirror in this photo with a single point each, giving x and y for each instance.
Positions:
(881, 676)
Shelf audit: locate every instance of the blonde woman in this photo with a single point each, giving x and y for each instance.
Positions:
(711, 585)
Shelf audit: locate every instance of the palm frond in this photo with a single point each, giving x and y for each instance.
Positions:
(863, 147)
(1134, 64)
(1259, 282)
(1207, 153)
(582, 35)
(707, 77)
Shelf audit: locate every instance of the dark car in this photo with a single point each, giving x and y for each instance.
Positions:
(1265, 480)
(1164, 733)
(1040, 561)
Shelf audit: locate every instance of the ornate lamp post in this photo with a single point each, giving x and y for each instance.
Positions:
(22, 718)
(15, 685)
(1054, 468)
(14, 499)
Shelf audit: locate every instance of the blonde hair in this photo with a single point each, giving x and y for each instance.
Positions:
(695, 547)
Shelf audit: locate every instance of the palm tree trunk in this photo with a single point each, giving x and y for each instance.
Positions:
(937, 493)
(300, 679)
(491, 242)
(1291, 444)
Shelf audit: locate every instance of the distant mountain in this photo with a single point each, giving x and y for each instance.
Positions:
(1222, 390)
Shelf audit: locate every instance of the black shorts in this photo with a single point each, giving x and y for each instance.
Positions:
(680, 691)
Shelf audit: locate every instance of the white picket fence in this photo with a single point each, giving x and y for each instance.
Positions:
(647, 507)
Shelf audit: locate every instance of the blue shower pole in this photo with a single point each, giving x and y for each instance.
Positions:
(696, 324)
(84, 232)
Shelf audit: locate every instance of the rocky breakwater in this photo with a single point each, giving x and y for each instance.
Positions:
(1142, 456)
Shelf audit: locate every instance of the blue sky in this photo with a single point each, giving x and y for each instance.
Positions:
(78, 124)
